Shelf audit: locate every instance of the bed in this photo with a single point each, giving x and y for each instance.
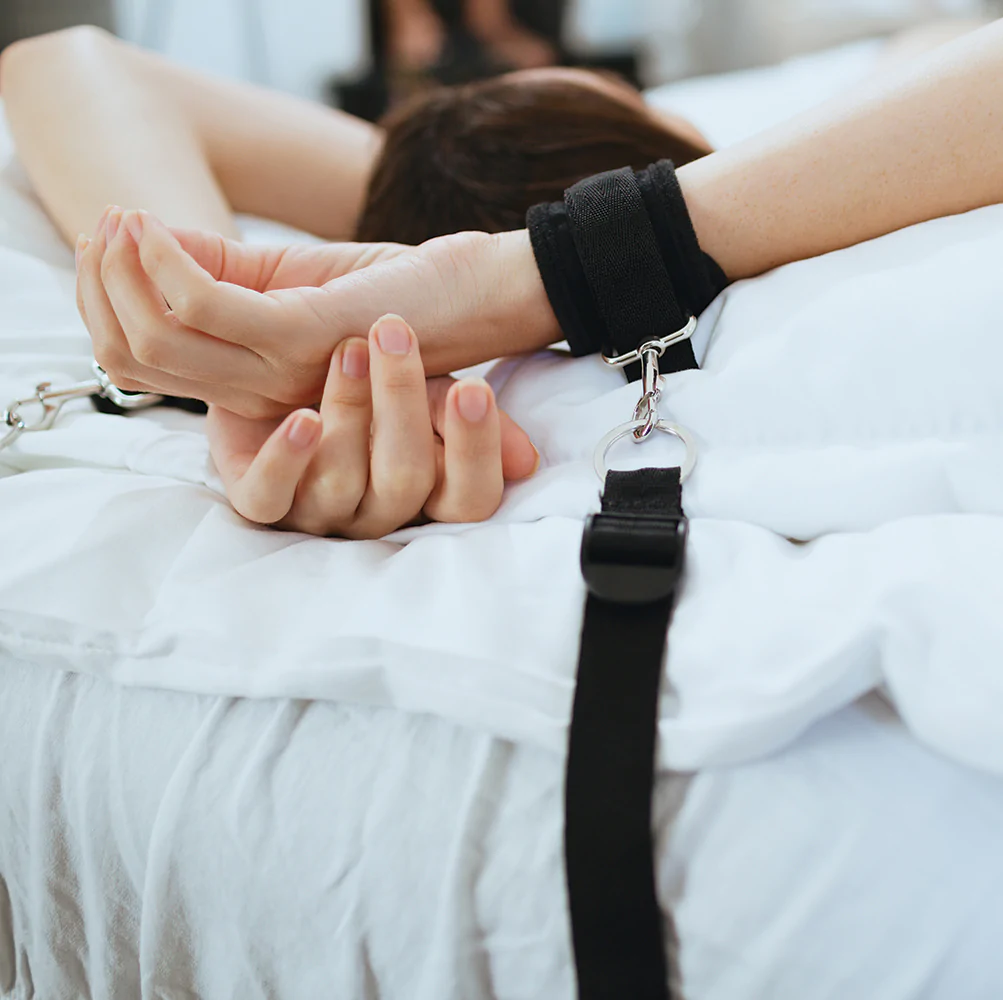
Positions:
(238, 763)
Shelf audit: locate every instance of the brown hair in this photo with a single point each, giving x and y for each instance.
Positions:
(478, 156)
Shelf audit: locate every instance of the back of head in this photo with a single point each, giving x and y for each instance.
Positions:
(477, 157)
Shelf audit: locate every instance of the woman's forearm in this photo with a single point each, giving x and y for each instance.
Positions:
(916, 144)
(97, 121)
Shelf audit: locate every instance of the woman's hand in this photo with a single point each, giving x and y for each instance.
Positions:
(385, 448)
(252, 329)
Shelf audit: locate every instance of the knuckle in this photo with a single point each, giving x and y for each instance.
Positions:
(258, 408)
(311, 524)
(339, 489)
(257, 504)
(354, 402)
(364, 530)
(412, 479)
(403, 381)
(468, 509)
(109, 261)
(480, 449)
(335, 501)
(115, 365)
(480, 508)
(108, 359)
(246, 508)
(148, 351)
(290, 394)
(192, 307)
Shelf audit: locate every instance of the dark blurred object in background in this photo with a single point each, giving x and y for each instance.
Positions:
(24, 18)
(462, 56)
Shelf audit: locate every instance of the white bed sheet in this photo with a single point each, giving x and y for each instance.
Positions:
(218, 847)
(159, 846)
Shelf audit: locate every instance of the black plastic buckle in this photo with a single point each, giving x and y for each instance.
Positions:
(633, 558)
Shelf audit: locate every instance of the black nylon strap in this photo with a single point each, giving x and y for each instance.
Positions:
(691, 270)
(103, 405)
(634, 549)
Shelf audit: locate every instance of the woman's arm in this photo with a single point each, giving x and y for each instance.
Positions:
(917, 143)
(99, 122)
(922, 143)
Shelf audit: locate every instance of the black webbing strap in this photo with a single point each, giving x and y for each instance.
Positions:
(103, 405)
(632, 560)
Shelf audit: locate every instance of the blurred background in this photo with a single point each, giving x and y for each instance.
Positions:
(362, 54)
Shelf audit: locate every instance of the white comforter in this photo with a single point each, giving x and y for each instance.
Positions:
(854, 401)
(186, 845)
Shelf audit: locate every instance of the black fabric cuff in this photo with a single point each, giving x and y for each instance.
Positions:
(621, 263)
(563, 277)
(695, 274)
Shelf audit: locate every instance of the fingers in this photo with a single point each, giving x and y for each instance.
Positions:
(376, 464)
(272, 268)
(225, 310)
(379, 464)
(370, 462)
(333, 490)
(157, 339)
(520, 459)
(226, 260)
(472, 482)
(402, 464)
(113, 247)
(111, 349)
(265, 489)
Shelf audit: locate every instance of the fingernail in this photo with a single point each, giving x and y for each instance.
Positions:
(393, 336)
(82, 244)
(355, 359)
(303, 432)
(472, 401)
(133, 224)
(111, 226)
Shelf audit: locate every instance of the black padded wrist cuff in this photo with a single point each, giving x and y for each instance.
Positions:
(563, 277)
(621, 263)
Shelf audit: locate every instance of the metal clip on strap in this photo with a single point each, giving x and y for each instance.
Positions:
(51, 401)
(658, 346)
(646, 418)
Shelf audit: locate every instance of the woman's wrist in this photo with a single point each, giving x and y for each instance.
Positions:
(526, 318)
(485, 300)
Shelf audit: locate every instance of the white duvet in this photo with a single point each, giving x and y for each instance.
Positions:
(852, 402)
(198, 846)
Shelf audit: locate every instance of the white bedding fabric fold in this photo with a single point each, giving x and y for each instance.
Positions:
(854, 402)
(160, 845)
